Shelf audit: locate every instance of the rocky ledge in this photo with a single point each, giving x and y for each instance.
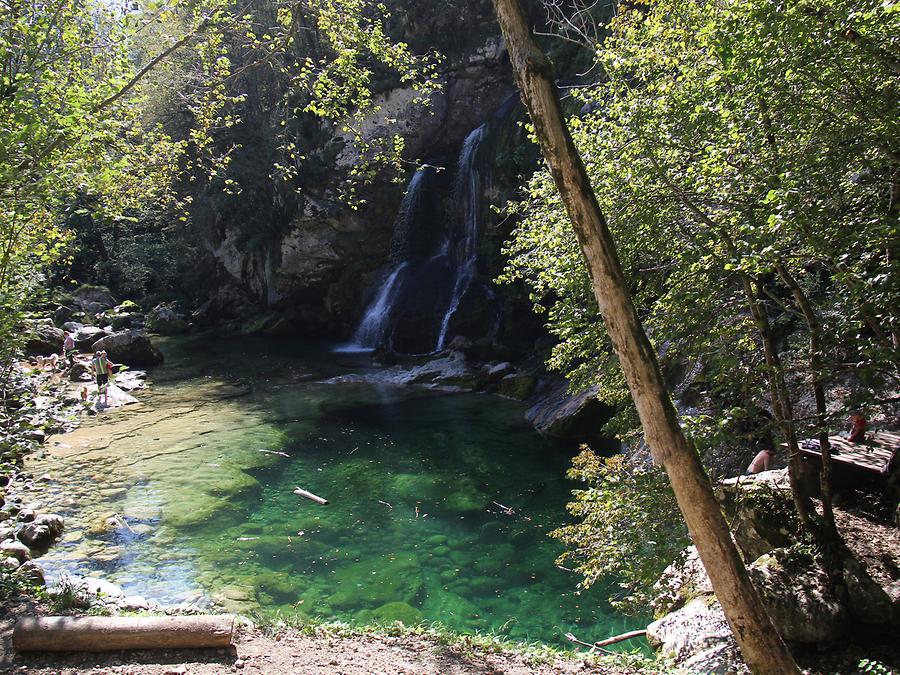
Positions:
(810, 601)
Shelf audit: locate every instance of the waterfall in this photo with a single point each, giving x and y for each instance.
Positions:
(433, 263)
(467, 193)
(372, 329)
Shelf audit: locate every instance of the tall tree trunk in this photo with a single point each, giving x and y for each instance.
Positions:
(762, 647)
(781, 400)
(815, 375)
(778, 391)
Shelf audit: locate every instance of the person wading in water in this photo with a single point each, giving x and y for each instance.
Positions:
(102, 367)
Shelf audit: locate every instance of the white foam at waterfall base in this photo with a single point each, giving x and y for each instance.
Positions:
(372, 328)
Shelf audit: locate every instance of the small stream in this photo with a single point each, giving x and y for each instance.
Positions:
(440, 502)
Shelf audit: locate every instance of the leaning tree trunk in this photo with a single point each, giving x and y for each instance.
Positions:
(762, 647)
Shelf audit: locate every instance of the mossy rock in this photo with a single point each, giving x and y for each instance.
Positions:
(453, 607)
(376, 582)
(281, 587)
(198, 511)
(483, 585)
(460, 558)
(227, 483)
(437, 494)
(364, 617)
(493, 532)
(518, 387)
(495, 564)
(397, 611)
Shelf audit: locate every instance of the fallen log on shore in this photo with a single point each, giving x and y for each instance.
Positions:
(111, 633)
(620, 638)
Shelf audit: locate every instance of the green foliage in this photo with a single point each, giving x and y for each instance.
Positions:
(730, 143)
(69, 125)
(13, 585)
(628, 526)
(90, 154)
(875, 667)
(728, 139)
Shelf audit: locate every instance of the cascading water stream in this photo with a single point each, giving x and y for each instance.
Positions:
(372, 329)
(467, 192)
(434, 261)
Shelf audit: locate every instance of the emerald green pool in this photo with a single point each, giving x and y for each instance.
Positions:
(440, 502)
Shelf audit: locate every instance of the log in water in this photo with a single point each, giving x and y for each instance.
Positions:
(310, 495)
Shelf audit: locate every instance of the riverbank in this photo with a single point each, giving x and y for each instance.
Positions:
(440, 503)
(325, 649)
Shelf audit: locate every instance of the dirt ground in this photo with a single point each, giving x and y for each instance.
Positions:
(254, 652)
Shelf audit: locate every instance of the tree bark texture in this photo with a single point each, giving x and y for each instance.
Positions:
(110, 633)
(816, 369)
(760, 644)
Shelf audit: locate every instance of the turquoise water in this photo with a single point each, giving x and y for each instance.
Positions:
(440, 502)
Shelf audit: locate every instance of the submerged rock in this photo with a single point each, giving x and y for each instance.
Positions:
(376, 582)
(397, 611)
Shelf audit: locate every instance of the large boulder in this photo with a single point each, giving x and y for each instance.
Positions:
(40, 533)
(165, 320)
(761, 511)
(93, 299)
(681, 582)
(86, 336)
(517, 386)
(872, 599)
(799, 596)
(130, 348)
(376, 582)
(562, 414)
(44, 340)
(80, 372)
(698, 637)
(31, 572)
(15, 549)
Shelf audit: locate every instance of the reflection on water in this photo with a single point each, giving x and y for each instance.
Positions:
(439, 502)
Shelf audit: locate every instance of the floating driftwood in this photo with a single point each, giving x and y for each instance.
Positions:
(273, 452)
(110, 633)
(309, 495)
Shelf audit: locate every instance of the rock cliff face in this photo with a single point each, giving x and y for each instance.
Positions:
(309, 256)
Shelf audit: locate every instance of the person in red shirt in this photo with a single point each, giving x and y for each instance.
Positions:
(858, 424)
